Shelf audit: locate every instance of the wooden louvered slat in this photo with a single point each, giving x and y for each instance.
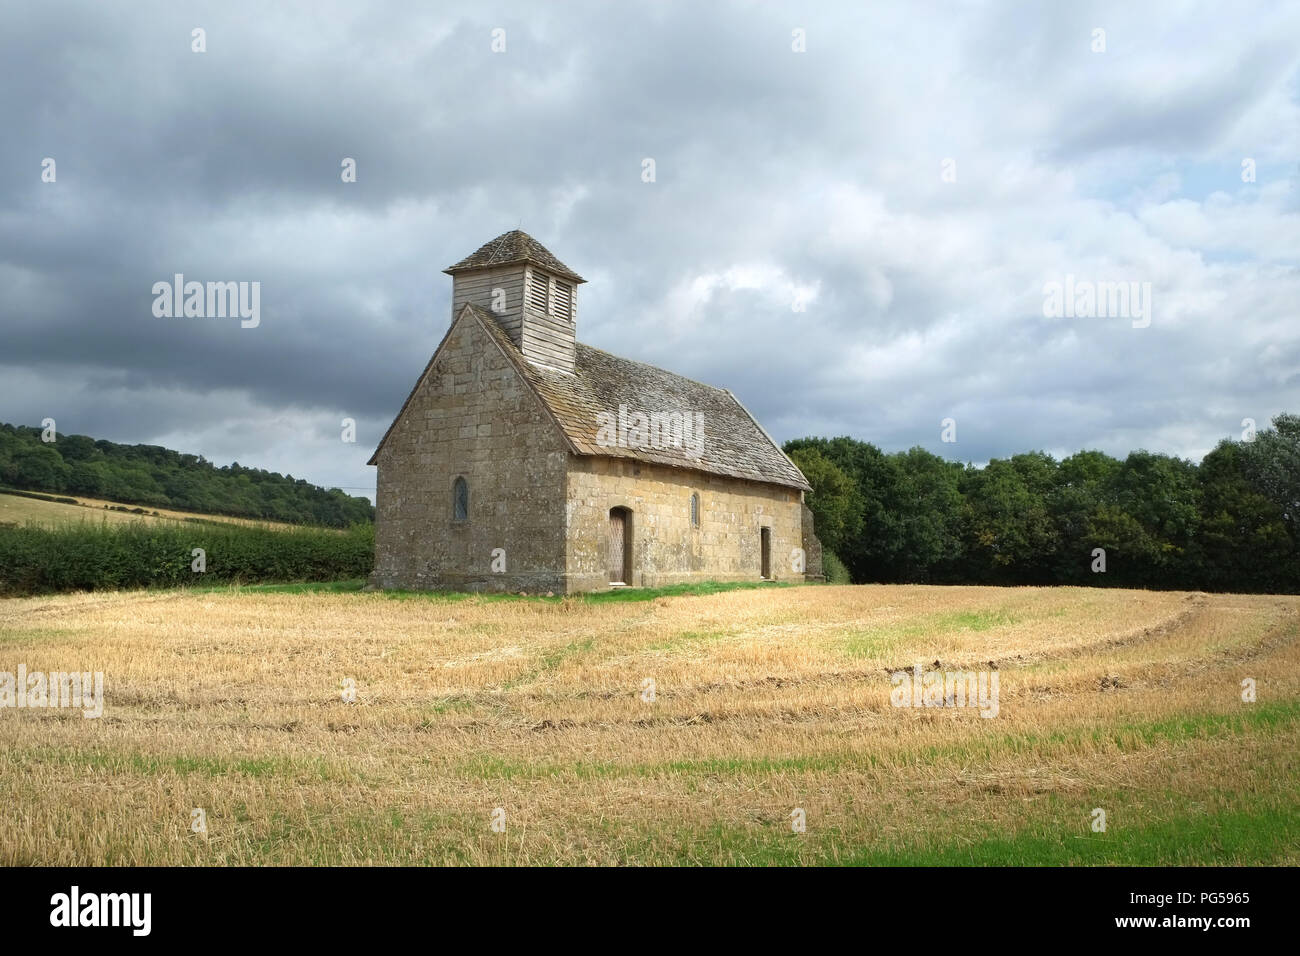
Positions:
(563, 307)
(537, 291)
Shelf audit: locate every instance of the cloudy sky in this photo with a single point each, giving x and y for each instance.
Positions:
(857, 237)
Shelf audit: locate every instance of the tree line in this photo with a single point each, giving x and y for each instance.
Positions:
(159, 477)
(1229, 523)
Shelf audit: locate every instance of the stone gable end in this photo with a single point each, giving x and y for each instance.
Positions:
(471, 416)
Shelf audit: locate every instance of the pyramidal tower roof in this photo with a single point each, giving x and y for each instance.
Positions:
(511, 248)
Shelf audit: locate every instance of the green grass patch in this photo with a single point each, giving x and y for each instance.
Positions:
(452, 703)
(877, 641)
(978, 621)
(350, 586)
(1126, 738)
(550, 661)
(618, 596)
(622, 595)
(1193, 836)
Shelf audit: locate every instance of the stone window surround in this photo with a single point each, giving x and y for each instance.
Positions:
(459, 521)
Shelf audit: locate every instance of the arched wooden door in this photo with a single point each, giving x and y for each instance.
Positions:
(620, 546)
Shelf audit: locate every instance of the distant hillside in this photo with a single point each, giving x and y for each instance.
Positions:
(162, 478)
(24, 508)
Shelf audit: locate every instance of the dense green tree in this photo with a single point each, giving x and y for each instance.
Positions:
(1010, 536)
(88, 478)
(834, 502)
(1244, 538)
(1082, 489)
(37, 465)
(880, 535)
(78, 448)
(925, 499)
(1162, 495)
(910, 509)
(1272, 461)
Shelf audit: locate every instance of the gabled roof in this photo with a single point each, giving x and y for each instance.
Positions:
(510, 248)
(734, 444)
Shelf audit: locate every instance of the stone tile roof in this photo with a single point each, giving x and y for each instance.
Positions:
(510, 248)
(732, 442)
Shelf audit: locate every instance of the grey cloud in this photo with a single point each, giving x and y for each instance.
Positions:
(816, 169)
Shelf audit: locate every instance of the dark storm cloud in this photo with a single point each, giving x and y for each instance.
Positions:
(782, 178)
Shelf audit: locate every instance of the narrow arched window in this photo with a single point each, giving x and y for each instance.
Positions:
(695, 511)
(460, 500)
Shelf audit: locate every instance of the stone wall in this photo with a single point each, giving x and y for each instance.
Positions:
(471, 416)
(812, 547)
(666, 548)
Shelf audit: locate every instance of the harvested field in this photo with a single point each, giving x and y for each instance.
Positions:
(765, 701)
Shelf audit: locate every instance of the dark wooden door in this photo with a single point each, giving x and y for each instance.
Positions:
(617, 547)
(767, 553)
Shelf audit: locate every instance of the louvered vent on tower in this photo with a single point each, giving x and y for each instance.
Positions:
(562, 301)
(538, 287)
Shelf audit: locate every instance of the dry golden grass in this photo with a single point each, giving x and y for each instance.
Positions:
(767, 700)
(17, 509)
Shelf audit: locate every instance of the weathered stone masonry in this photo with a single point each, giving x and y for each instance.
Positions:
(667, 549)
(471, 416)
